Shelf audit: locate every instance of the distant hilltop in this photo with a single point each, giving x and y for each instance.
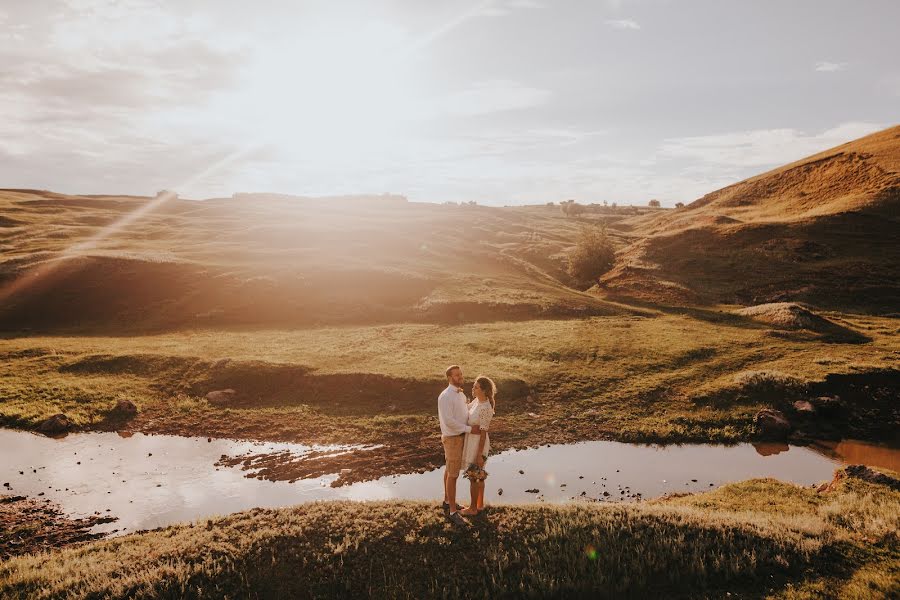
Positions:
(368, 199)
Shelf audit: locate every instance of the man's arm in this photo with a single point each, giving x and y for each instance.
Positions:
(445, 412)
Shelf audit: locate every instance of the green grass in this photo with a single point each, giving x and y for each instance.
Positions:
(666, 378)
(751, 539)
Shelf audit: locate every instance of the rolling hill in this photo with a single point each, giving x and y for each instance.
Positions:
(823, 230)
(130, 263)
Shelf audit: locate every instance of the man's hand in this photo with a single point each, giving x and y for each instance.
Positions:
(476, 429)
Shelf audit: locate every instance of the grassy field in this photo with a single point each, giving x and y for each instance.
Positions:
(664, 378)
(752, 539)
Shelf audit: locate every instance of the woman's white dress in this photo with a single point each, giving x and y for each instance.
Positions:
(480, 413)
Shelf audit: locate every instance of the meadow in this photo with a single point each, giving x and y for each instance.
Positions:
(759, 538)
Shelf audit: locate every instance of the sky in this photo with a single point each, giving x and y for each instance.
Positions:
(501, 102)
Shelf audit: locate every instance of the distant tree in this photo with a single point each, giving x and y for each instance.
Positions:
(653, 204)
(570, 208)
(679, 205)
(604, 203)
(551, 204)
(592, 256)
(615, 204)
(168, 194)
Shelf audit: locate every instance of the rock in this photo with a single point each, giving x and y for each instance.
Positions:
(804, 408)
(861, 472)
(221, 397)
(124, 408)
(828, 406)
(772, 424)
(56, 424)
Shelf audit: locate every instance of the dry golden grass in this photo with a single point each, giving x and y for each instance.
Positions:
(821, 230)
(750, 539)
(72, 263)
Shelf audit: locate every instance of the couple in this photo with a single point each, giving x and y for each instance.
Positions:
(464, 434)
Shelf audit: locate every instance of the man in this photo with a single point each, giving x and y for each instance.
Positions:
(453, 415)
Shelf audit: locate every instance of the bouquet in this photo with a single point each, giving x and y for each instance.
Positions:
(475, 473)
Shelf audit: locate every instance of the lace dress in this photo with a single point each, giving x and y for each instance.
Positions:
(480, 413)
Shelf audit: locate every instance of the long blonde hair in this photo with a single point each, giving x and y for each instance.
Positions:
(490, 390)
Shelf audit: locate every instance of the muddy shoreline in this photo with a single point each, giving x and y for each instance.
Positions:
(28, 525)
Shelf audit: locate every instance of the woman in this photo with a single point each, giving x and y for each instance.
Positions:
(477, 445)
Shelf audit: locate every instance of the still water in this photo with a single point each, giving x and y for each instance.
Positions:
(149, 481)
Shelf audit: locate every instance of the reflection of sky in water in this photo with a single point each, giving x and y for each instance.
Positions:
(179, 482)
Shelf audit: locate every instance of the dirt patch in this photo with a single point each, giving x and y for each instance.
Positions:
(28, 526)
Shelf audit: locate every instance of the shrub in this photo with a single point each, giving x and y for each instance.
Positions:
(679, 205)
(570, 208)
(653, 203)
(592, 256)
(768, 385)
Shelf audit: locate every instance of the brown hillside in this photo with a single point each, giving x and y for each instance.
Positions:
(822, 231)
(87, 263)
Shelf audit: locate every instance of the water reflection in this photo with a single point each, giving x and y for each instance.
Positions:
(861, 453)
(770, 448)
(151, 481)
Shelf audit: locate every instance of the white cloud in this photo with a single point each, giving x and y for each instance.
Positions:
(761, 147)
(623, 24)
(830, 67)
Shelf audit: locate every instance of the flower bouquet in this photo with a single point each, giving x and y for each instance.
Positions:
(475, 473)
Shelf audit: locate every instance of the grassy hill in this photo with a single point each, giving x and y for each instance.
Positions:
(822, 230)
(759, 538)
(89, 263)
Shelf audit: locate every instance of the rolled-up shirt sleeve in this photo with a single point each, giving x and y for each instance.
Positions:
(447, 416)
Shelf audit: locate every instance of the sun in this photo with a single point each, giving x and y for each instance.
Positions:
(329, 99)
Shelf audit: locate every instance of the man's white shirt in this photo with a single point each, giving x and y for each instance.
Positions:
(452, 412)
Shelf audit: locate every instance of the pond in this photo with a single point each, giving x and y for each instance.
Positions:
(149, 481)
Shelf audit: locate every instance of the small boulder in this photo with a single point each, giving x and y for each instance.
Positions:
(828, 406)
(804, 408)
(772, 424)
(124, 409)
(221, 397)
(56, 425)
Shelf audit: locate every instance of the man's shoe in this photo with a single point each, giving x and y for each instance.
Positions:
(458, 520)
